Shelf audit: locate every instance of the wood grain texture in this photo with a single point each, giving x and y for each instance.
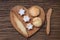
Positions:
(8, 32)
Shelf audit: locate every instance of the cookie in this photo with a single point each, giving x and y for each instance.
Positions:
(37, 22)
(34, 11)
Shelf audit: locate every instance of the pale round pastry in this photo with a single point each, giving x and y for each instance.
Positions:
(34, 11)
(37, 22)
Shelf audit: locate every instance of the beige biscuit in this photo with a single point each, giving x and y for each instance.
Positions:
(37, 22)
(34, 11)
(20, 26)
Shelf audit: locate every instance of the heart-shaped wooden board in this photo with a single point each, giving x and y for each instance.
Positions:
(19, 24)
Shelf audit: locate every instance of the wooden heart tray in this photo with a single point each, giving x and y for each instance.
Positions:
(19, 24)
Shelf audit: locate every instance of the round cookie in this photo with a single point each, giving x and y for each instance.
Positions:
(37, 22)
(34, 11)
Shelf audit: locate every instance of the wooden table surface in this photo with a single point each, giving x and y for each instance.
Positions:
(8, 32)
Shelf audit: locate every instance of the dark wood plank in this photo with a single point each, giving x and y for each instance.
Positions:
(7, 32)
